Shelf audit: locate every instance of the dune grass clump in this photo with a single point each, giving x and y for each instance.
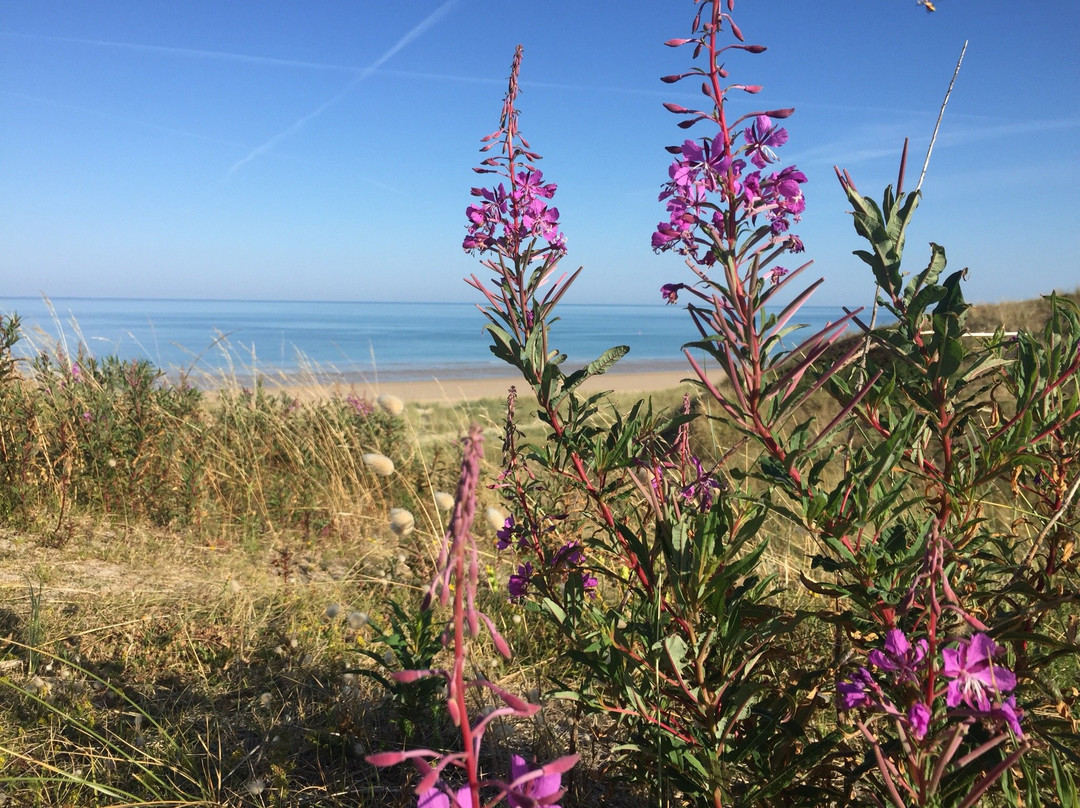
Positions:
(112, 438)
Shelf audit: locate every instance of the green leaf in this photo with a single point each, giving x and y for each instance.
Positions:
(503, 345)
(598, 366)
(675, 647)
(533, 349)
(953, 301)
(555, 610)
(1064, 784)
(929, 276)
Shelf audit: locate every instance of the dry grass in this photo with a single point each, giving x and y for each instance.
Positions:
(221, 672)
(195, 663)
(1028, 315)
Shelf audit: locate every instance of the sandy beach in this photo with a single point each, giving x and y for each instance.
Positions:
(455, 391)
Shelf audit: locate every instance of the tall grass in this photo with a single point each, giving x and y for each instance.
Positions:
(112, 438)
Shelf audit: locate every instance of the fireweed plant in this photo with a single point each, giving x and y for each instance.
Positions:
(902, 517)
(635, 547)
(940, 496)
(456, 577)
(944, 536)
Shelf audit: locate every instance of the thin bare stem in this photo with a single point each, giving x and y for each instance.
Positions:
(941, 114)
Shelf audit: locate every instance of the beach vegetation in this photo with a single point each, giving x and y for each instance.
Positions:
(832, 570)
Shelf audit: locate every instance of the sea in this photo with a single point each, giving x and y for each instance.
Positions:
(210, 340)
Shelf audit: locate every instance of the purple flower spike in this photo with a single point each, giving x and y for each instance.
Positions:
(508, 222)
(975, 677)
(900, 657)
(542, 789)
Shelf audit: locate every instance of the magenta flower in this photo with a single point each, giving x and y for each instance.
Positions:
(761, 137)
(509, 532)
(589, 584)
(702, 487)
(702, 168)
(87, 416)
(781, 197)
(975, 677)
(519, 582)
(919, 719)
(436, 798)
(541, 221)
(670, 291)
(530, 184)
(570, 554)
(853, 692)
(362, 406)
(899, 656)
(1008, 712)
(76, 374)
(777, 274)
(506, 534)
(540, 789)
(786, 184)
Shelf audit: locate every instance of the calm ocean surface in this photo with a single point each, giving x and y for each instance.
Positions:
(402, 341)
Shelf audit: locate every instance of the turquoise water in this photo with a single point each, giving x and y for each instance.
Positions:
(356, 340)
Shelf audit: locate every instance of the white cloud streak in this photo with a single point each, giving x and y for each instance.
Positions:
(120, 118)
(300, 123)
(192, 53)
(274, 61)
(866, 144)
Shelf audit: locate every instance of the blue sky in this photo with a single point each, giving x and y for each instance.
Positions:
(323, 150)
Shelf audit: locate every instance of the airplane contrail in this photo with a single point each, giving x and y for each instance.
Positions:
(114, 117)
(299, 124)
(274, 61)
(188, 52)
